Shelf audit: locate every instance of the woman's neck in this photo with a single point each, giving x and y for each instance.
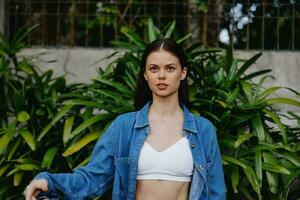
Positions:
(165, 108)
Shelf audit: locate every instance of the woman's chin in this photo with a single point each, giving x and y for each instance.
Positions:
(164, 94)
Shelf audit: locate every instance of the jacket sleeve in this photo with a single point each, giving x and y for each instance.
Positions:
(217, 187)
(91, 180)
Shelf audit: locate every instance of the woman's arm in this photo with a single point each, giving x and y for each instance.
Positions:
(90, 180)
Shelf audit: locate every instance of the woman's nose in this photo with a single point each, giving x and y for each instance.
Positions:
(162, 74)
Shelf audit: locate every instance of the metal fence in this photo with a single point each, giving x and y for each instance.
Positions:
(267, 24)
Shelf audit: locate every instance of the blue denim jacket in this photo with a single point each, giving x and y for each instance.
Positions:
(114, 161)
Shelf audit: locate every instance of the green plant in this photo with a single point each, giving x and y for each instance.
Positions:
(260, 152)
(28, 101)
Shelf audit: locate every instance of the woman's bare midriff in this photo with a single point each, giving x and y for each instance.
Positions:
(161, 190)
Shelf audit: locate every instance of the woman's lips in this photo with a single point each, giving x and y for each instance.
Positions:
(162, 86)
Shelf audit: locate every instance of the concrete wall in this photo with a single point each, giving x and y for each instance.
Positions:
(78, 64)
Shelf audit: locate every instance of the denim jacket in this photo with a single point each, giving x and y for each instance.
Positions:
(114, 161)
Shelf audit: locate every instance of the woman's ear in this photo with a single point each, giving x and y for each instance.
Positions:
(183, 73)
(145, 76)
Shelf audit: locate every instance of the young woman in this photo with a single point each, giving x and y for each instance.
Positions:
(160, 152)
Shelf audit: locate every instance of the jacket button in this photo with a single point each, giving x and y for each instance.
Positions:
(193, 145)
(201, 167)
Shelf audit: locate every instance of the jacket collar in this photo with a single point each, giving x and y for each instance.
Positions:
(188, 125)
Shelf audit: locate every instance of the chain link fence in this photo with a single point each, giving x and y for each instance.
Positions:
(265, 24)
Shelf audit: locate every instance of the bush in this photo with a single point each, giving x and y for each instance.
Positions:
(29, 100)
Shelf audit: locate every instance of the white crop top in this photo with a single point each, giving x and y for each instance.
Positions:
(173, 164)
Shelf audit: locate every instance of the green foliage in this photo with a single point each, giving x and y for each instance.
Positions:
(260, 152)
(28, 101)
(202, 5)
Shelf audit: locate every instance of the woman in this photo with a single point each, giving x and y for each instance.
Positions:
(162, 151)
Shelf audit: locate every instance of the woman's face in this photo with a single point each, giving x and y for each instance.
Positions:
(163, 73)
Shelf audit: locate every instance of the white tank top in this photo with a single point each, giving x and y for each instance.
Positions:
(173, 164)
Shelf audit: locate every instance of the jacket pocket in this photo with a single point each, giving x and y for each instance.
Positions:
(122, 165)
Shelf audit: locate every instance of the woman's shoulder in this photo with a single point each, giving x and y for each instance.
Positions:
(126, 117)
(203, 122)
(205, 127)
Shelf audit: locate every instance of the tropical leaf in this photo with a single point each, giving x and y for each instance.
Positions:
(81, 143)
(17, 178)
(276, 119)
(48, 157)
(5, 139)
(293, 158)
(151, 30)
(247, 64)
(27, 167)
(258, 167)
(276, 168)
(4, 168)
(255, 74)
(282, 100)
(88, 123)
(259, 128)
(132, 36)
(170, 30)
(29, 139)
(57, 117)
(68, 129)
(242, 138)
(74, 102)
(235, 161)
(251, 176)
(84, 162)
(235, 178)
(268, 91)
(272, 177)
(117, 86)
(23, 116)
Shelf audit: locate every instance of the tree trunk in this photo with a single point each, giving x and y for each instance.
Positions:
(205, 26)
(214, 20)
(2, 16)
(194, 22)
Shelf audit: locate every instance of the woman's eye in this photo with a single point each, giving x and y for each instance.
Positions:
(170, 69)
(153, 69)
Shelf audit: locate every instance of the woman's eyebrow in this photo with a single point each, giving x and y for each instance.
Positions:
(154, 65)
(170, 64)
(150, 65)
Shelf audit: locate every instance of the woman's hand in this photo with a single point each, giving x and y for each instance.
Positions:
(34, 188)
